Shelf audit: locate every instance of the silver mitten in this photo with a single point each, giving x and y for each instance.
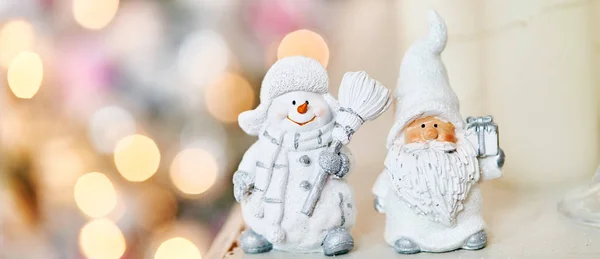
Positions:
(379, 205)
(501, 158)
(330, 162)
(241, 186)
(345, 168)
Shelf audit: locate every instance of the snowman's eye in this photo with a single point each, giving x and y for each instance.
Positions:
(293, 102)
(435, 125)
(306, 102)
(422, 125)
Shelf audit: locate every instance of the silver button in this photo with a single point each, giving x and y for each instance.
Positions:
(305, 185)
(304, 160)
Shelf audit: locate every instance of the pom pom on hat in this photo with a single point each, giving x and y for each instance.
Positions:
(423, 87)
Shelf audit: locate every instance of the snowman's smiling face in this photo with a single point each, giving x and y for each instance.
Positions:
(299, 111)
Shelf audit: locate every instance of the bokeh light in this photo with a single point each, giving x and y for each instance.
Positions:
(108, 125)
(16, 36)
(203, 56)
(177, 248)
(95, 194)
(94, 14)
(61, 163)
(194, 171)
(304, 43)
(25, 74)
(101, 239)
(228, 96)
(137, 157)
(153, 206)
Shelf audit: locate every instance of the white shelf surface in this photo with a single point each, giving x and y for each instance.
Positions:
(521, 224)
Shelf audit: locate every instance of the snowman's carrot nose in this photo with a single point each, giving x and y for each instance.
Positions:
(303, 108)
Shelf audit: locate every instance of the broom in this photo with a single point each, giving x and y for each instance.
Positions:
(361, 99)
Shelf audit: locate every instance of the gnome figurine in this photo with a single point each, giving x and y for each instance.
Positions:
(429, 188)
(294, 123)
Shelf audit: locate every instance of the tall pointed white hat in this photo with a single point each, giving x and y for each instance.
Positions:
(423, 88)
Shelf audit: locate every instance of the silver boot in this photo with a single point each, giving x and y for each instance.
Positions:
(476, 241)
(337, 242)
(405, 245)
(253, 243)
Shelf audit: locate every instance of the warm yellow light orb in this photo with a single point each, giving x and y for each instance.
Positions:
(228, 96)
(101, 239)
(137, 157)
(94, 14)
(16, 36)
(194, 171)
(25, 74)
(95, 195)
(304, 43)
(177, 248)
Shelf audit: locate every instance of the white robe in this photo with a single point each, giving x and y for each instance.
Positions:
(401, 221)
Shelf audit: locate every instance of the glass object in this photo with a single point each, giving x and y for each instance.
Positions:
(583, 204)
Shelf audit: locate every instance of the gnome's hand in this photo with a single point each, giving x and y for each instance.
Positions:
(337, 164)
(241, 185)
(379, 205)
(501, 157)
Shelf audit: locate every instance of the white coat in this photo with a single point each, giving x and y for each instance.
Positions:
(302, 233)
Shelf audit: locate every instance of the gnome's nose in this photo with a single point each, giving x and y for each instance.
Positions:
(430, 134)
(303, 108)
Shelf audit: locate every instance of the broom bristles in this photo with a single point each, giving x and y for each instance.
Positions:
(361, 99)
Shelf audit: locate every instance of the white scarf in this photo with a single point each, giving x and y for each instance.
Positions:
(274, 146)
(272, 168)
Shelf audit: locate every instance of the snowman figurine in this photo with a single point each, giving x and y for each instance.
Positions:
(293, 122)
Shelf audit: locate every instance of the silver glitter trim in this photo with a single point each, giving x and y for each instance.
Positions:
(268, 136)
(261, 165)
(271, 200)
(277, 166)
(347, 129)
(349, 110)
(342, 209)
(319, 139)
(296, 140)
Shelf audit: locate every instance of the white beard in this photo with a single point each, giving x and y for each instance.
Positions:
(433, 178)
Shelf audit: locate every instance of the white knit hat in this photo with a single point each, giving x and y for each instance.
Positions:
(286, 75)
(423, 88)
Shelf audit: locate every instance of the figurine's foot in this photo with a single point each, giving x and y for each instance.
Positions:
(337, 242)
(405, 245)
(476, 241)
(253, 243)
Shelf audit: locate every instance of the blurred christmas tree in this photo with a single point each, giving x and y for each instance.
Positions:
(119, 119)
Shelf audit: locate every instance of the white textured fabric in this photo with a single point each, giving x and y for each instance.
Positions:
(434, 178)
(286, 75)
(401, 221)
(423, 88)
(272, 173)
(282, 223)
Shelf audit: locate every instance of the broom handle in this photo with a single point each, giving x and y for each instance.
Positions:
(315, 192)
